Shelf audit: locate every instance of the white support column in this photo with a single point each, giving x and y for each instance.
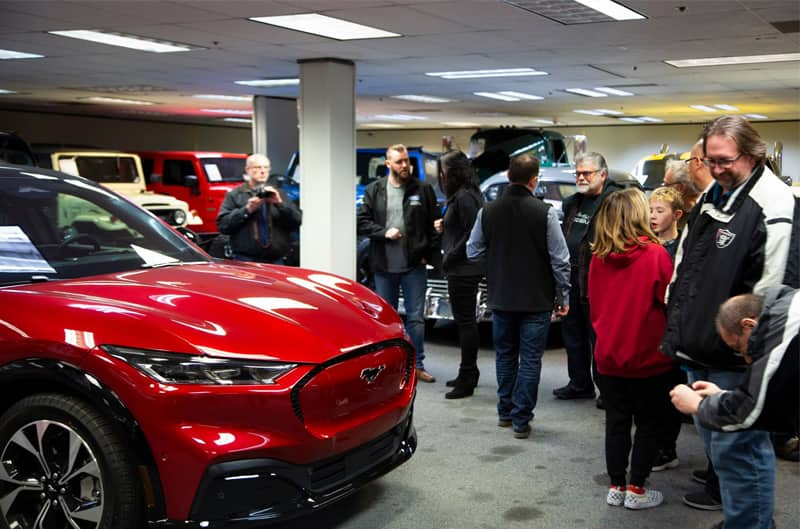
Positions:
(327, 166)
(275, 129)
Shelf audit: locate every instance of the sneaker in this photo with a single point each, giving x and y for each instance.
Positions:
(665, 460)
(700, 476)
(504, 423)
(702, 500)
(522, 434)
(616, 496)
(648, 499)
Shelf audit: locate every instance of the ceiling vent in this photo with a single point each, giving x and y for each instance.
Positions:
(567, 12)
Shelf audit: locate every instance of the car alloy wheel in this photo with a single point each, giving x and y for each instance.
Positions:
(58, 468)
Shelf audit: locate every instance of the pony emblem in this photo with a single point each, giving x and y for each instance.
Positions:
(371, 373)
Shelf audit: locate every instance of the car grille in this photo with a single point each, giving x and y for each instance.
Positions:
(339, 389)
(437, 301)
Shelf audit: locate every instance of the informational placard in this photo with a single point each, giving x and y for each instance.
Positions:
(18, 254)
(213, 172)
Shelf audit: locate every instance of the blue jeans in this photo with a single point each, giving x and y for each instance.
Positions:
(744, 461)
(414, 282)
(519, 342)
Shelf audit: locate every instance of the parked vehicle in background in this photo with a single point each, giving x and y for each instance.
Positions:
(14, 149)
(370, 166)
(122, 172)
(491, 149)
(146, 384)
(201, 179)
(649, 171)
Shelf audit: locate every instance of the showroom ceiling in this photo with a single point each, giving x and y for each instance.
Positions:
(582, 50)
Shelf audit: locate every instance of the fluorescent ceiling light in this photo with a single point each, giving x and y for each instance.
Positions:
(704, 108)
(520, 95)
(722, 61)
(495, 95)
(544, 121)
(422, 99)
(325, 26)
(613, 91)
(610, 112)
(632, 120)
(235, 111)
(223, 97)
(727, 107)
(459, 124)
(399, 117)
(755, 116)
(380, 125)
(585, 92)
(478, 74)
(238, 120)
(612, 9)
(11, 54)
(589, 112)
(3, 91)
(133, 42)
(116, 100)
(270, 82)
(651, 120)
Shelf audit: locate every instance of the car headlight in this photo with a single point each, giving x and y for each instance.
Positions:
(179, 217)
(172, 368)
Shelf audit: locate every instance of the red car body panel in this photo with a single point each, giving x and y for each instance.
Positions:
(223, 310)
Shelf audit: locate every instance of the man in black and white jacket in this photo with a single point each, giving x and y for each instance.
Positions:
(736, 242)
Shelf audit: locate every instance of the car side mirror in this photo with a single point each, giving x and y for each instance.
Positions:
(192, 183)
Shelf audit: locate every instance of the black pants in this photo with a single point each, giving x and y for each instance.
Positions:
(463, 291)
(674, 420)
(579, 338)
(640, 401)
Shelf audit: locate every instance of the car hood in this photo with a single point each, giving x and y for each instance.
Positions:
(224, 310)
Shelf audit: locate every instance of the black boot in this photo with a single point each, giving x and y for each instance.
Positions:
(464, 384)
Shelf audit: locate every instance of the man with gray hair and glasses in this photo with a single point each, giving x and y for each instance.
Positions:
(736, 242)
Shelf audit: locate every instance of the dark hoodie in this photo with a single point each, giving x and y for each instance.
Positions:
(628, 311)
(578, 227)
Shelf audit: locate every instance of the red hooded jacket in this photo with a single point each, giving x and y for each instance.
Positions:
(626, 301)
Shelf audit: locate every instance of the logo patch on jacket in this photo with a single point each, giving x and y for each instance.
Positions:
(414, 200)
(724, 238)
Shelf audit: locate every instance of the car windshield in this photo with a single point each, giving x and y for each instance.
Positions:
(102, 169)
(61, 229)
(224, 169)
(554, 190)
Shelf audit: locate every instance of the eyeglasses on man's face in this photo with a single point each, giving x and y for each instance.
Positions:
(722, 163)
(670, 184)
(585, 174)
(688, 161)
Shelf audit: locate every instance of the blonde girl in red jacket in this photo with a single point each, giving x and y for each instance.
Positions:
(628, 277)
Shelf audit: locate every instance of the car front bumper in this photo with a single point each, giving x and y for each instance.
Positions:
(253, 492)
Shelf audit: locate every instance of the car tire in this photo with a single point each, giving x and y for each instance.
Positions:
(58, 457)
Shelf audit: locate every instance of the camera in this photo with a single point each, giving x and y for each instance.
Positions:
(263, 192)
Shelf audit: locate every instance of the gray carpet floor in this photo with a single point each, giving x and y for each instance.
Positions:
(470, 474)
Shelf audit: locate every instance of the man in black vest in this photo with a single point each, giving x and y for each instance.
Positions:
(528, 264)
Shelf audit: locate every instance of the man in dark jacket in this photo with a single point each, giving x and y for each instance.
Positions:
(397, 215)
(593, 185)
(765, 331)
(528, 276)
(258, 218)
(736, 242)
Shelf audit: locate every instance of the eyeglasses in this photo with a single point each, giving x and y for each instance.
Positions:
(687, 161)
(670, 184)
(264, 167)
(585, 174)
(722, 163)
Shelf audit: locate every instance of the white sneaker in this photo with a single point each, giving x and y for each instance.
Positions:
(616, 496)
(648, 499)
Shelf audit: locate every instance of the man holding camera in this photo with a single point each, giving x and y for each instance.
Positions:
(258, 218)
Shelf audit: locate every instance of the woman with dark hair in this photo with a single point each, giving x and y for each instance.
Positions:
(457, 180)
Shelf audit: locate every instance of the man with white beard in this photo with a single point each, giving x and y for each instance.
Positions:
(593, 185)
